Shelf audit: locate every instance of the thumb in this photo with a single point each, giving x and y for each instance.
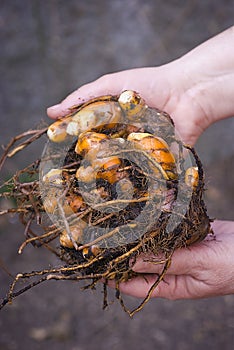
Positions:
(146, 81)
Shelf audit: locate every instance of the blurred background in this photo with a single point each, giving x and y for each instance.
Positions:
(48, 49)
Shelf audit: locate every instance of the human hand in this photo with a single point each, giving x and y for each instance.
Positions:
(196, 90)
(203, 270)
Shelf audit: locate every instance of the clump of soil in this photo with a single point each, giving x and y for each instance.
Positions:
(138, 190)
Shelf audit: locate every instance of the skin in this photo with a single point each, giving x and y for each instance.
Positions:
(188, 89)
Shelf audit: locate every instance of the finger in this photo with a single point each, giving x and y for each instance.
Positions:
(187, 260)
(97, 88)
(171, 287)
(223, 227)
(107, 84)
(140, 80)
(180, 263)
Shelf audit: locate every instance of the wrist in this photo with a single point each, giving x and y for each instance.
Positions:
(209, 77)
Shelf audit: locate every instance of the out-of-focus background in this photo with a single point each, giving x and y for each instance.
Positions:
(48, 49)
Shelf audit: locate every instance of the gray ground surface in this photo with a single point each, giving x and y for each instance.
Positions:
(48, 49)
